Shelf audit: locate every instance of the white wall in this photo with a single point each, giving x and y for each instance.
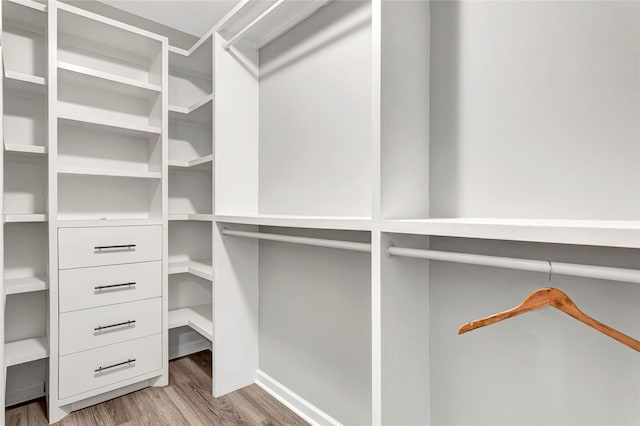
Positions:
(535, 109)
(315, 115)
(315, 322)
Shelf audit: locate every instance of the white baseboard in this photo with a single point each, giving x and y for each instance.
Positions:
(295, 402)
(24, 394)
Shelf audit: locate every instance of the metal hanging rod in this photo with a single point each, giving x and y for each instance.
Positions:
(246, 29)
(552, 268)
(309, 241)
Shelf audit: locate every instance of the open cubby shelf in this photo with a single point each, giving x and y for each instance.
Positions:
(24, 82)
(116, 126)
(197, 318)
(207, 159)
(191, 108)
(108, 79)
(26, 350)
(25, 187)
(30, 217)
(100, 197)
(25, 118)
(190, 78)
(25, 149)
(25, 284)
(118, 52)
(201, 268)
(191, 216)
(108, 172)
(190, 191)
(24, 41)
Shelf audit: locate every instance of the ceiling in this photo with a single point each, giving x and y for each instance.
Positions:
(194, 17)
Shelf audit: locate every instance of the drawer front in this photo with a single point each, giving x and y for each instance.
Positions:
(82, 247)
(85, 371)
(92, 328)
(107, 285)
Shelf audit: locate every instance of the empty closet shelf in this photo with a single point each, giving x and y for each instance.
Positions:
(610, 233)
(114, 126)
(25, 284)
(25, 82)
(123, 82)
(298, 221)
(108, 172)
(192, 163)
(26, 350)
(25, 149)
(191, 216)
(29, 217)
(199, 268)
(30, 4)
(196, 317)
(193, 107)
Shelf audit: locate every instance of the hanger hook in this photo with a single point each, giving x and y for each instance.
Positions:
(550, 271)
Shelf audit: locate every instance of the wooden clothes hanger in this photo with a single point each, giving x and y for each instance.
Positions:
(557, 299)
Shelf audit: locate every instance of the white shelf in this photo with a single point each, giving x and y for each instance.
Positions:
(190, 109)
(295, 221)
(191, 163)
(109, 77)
(31, 217)
(108, 172)
(22, 80)
(199, 268)
(24, 285)
(583, 232)
(191, 216)
(25, 149)
(266, 25)
(30, 4)
(196, 317)
(26, 350)
(109, 125)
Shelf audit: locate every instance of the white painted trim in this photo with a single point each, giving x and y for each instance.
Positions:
(303, 408)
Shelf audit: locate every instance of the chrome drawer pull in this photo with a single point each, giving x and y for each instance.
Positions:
(102, 287)
(102, 327)
(127, 246)
(100, 369)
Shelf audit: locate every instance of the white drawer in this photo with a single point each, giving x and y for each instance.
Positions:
(107, 285)
(81, 247)
(92, 328)
(84, 371)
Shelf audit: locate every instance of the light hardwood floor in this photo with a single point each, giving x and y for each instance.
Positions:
(186, 401)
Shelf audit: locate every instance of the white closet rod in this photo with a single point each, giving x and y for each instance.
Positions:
(320, 242)
(552, 268)
(243, 31)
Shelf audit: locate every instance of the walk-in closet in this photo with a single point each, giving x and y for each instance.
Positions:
(347, 212)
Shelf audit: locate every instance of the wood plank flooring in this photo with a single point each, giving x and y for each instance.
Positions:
(186, 401)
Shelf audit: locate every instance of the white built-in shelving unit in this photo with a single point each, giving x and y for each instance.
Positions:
(191, 156)
(24, 160)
